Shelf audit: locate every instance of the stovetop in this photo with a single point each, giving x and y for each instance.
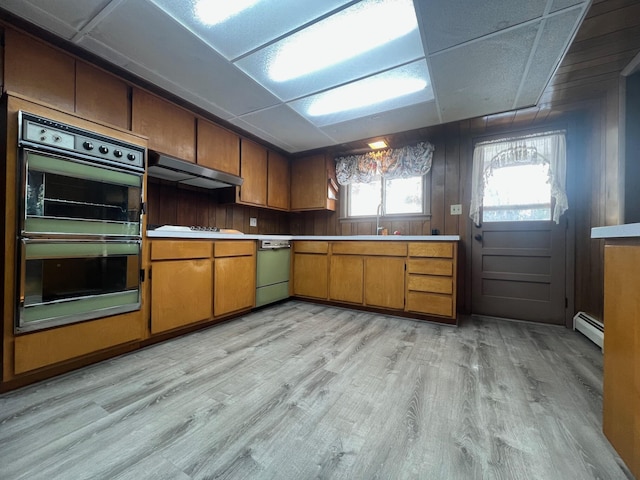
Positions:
(183, 228)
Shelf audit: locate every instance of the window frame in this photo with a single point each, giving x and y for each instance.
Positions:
(345, 198)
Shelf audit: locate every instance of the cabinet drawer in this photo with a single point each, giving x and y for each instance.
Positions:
(178, 249)
(427, 283)
(311, 247)
(431, 249)
(431, 266)
(391, 249)
(235, 249)
(430, 303)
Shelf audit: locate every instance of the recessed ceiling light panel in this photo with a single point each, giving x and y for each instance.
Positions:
(392, 89)
(342, 36)
(369, 91)
(213, 12)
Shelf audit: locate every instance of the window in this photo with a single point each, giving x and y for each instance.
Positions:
(517, 193)
(399, 196)
(520, 179)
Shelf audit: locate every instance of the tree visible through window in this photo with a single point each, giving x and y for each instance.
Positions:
(399, 196)
(517, 193)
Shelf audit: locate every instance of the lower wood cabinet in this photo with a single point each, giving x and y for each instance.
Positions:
(310, 269)
(409, 277)
(621, 372)
(347, 276)
(181, 283)
(197, 280)
(235, 277)
(384, 280)
(431, 278)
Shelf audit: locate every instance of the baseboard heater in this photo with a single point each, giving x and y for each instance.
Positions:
(590, 327)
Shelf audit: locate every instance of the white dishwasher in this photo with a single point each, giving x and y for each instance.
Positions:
(272, 271)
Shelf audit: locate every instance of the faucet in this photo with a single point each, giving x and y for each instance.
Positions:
(379, 213)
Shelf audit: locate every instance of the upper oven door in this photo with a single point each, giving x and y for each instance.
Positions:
(67, 196)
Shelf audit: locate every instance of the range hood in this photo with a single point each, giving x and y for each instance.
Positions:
(187, 173)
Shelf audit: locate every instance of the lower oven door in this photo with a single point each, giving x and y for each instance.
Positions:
(64, 282)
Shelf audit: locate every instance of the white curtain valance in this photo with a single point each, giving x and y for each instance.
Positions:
(402, 162)
(549, 149)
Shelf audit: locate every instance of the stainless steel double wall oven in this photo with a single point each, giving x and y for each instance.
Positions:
(79, 224)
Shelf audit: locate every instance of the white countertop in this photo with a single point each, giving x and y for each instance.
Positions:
(629, 230)
(230, 236)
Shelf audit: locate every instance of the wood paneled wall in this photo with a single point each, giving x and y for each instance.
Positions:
(170, 205)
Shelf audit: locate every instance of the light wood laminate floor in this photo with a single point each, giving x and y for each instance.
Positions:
(302, 391)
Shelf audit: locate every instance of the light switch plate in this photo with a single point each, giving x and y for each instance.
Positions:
(456, 209)
(253, 222)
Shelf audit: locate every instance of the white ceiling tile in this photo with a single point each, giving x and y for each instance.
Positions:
(180, 56)
(556, 33)
(62, 17)
(560, 4)
(283, 122)
(452, 22)
(482, 77)
(262, 23)
(265, 135)
(392, 121)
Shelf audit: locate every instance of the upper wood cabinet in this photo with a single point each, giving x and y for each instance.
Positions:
(101, 96)
(36, 70)
(311, 180)
(218, 148)
(170, 128)
(278, 180)
(253, 170)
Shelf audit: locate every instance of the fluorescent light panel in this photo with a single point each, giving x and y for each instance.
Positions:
(369, 91)
(213, 12)
(340, 37)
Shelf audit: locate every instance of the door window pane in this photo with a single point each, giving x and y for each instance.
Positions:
(517, 193)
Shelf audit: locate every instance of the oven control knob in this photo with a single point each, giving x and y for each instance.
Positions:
(117, 153)
(88, 145)
(57, 138)
(131, 156)
(103, 149)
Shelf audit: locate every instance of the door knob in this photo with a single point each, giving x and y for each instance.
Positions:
(478, 237)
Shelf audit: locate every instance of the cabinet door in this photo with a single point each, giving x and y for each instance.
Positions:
(218, 148)
(253, 169)
(310, 275)
(235, 284)
(181, 293)
(384, 282)
(278, 176)
(38, 71)
(309, 183)
(100, 96)
(171, 129)
(346, 278)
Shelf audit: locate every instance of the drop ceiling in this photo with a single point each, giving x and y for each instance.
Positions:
(478, 58)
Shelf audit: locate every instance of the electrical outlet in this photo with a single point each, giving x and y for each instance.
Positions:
(253, 222)
(456, 209)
